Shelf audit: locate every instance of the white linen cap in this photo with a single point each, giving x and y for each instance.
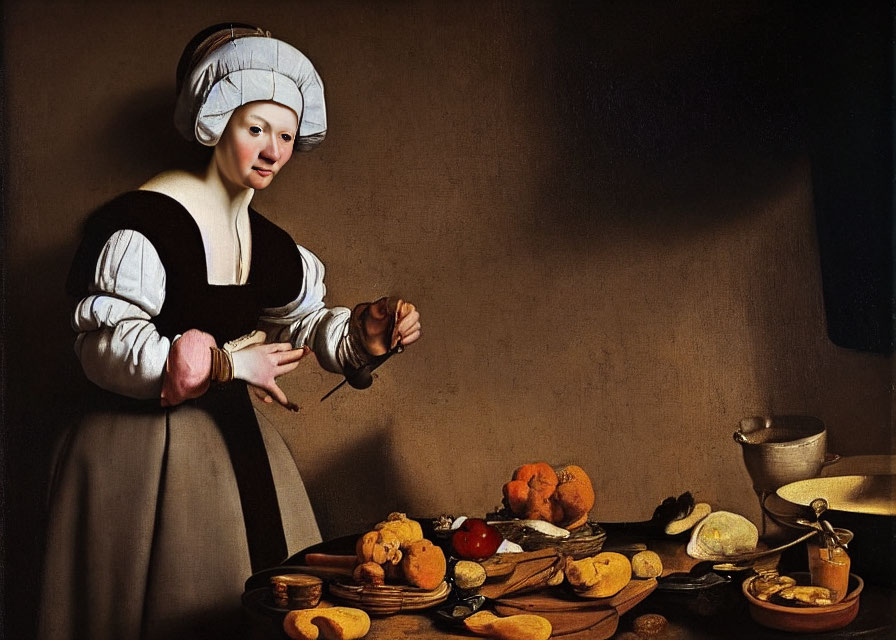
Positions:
(245, 70)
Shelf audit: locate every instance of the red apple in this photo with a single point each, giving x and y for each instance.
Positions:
(475, 539)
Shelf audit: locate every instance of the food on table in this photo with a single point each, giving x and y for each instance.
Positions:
(405, 529)
(537, 492)
(544, 527)
(424, 565)
(700, 511)
(765, 586)
(529, 493)
(722, 534)
(599, 576)
(574, 496)
(784, 590)
(522, 535)
(523, 626)
(649, 625)
(673, 508)
(443, 523)
(510, 547)
(810, 595)
(393, 552)
(379, 547)
(556, 578)
(369, 573)
(296, 590)
(581, 574)
(475, 539)
(469, 574)
(513, 529)
(327, 623)
(647, 564)
(342, 627)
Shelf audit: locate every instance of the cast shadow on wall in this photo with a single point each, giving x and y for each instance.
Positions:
(369, 462)
(147, 116)
(692, 132)
(677, 128)
(152, 145)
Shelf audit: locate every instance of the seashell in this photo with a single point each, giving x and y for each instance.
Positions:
(722, 535)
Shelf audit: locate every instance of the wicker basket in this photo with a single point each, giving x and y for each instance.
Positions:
(584, 541)
(389, 599)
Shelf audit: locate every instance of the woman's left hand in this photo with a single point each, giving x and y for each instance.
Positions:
(261, 364)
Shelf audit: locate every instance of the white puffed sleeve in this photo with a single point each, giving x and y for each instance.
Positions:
(305, 321)
(118, 345)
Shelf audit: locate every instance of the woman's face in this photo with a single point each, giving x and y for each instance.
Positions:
(256, 144)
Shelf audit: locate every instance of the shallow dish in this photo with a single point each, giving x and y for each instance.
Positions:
(805, 619)
(873, 495)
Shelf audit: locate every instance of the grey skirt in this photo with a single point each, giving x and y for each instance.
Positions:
(147, 536)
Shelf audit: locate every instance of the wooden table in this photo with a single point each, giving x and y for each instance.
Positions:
(720, 613)
(874, 622)
(717, 621)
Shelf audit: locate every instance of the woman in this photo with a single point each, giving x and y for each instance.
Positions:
(170, 493)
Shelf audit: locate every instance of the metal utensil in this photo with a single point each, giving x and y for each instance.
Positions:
(818, 506)
(398, 348)
(832, 540)
(828, 535)
(750, 556)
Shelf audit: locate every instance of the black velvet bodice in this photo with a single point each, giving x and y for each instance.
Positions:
(224, 311)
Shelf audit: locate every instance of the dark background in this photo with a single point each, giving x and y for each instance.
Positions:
(627, 225)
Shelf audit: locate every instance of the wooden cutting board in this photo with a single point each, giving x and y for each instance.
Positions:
(509, 573)
(569, 614)
(598, 623)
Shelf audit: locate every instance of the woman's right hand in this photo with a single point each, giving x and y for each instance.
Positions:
(385, 323)
(260, 365)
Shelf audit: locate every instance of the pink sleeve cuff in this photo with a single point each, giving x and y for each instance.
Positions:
(187, 371)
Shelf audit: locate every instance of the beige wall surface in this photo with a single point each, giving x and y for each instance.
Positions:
(604, 216)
